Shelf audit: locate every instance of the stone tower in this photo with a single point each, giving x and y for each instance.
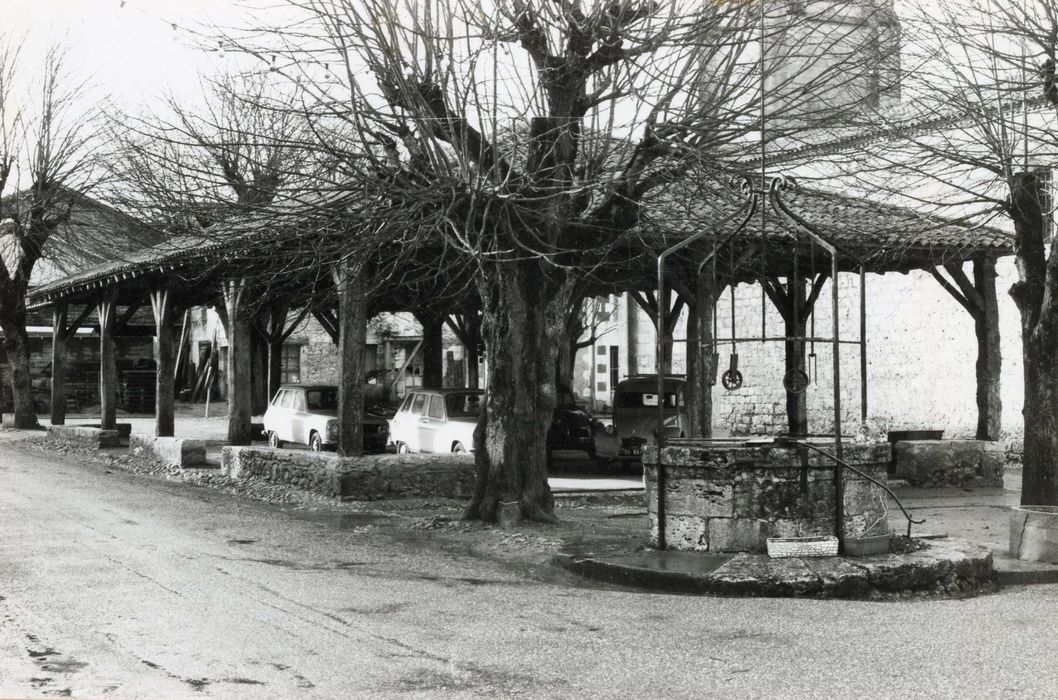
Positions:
(830, 59)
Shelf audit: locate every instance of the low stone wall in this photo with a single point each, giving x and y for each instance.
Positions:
(356, 478)
(176, 452)
(950, 462)
(731, 498)
(124, 429)
(81, 435)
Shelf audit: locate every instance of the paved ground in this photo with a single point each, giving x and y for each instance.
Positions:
(117, 585)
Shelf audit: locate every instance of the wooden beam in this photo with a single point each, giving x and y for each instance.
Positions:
(58, 364)
(108, 370)
(165, 361)
(236, 296)
(956, 294)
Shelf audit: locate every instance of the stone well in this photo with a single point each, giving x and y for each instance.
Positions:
(733, 496)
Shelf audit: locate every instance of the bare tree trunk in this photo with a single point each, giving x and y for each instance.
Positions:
(432, 348)
(568, 347)
(16, 343)
(524, 305)
(259, 374)
(1039, 341)
(989, 356)
(58, 365)
(352, 334)
(239, 333)
(1040, 477)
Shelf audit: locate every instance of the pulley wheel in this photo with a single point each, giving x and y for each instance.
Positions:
(731, 379)
(795, 381)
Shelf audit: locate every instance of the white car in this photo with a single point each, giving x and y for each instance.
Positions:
(308, 414)
(437, 420)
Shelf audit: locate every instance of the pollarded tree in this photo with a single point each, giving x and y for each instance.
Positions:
(527, 136)
(47, 164)
(976, 135)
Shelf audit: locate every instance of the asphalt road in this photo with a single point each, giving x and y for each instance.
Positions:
(114, 585)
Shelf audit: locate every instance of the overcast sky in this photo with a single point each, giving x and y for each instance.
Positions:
(128, 52)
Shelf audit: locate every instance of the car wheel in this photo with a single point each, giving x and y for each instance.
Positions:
(458, 447)
(402, 448)
(273, 440)
(315, 442)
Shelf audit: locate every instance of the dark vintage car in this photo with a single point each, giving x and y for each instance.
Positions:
(635, 413)
(573, 428)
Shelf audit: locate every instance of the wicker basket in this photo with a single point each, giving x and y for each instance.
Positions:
(820, 546)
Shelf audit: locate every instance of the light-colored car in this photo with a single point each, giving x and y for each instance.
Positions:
(308, 414)
(635, 412)
(437, 420)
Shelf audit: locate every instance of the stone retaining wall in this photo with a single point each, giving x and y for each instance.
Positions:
(356, 478)
(950, 462)
(176, 452)
(81, 435)
(732, 498)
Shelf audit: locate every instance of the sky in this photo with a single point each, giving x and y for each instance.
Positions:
(129, 51)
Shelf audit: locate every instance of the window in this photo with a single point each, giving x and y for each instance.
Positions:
(290, 364)
(418, 404)
(299, 400)
(437, 408)
(638, 400)
(614, 357)
(322, 399)
(601, 350)
(288, 399)
(406, 404)
(463, 405)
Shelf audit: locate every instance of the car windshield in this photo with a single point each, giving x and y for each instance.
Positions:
(322, 399)
(463, 405)
(636, 399)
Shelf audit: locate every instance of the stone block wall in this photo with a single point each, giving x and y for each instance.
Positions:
(732, 498)
(175, 452)
(81, 435)
(950, 462)
(356, 478)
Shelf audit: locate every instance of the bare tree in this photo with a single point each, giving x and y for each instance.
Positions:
(526, 136)
(47, 154)
(977, 138)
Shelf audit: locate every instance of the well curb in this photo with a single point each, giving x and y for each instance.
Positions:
(951, 567)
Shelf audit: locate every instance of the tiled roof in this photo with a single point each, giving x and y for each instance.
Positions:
(882, 236)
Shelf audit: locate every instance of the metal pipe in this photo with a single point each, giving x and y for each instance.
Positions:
(659, 351)
(839, 491)
(863, 344)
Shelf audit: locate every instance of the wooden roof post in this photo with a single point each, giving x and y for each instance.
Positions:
(352, 336)
(58, 364)
(164, 356)
(238, 331)
(108, 368)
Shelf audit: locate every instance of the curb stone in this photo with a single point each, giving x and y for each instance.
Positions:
(950, 567)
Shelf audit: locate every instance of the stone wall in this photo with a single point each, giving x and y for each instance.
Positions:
(732, 498)
(84, 436)
(356, 478)
(172, 451)
(949, 462)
